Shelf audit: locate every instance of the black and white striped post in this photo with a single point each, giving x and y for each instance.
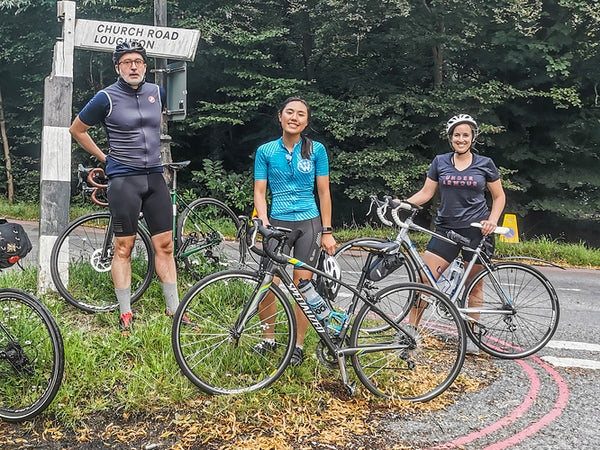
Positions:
(55, 164)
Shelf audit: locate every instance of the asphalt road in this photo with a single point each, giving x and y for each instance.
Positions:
(549, 400)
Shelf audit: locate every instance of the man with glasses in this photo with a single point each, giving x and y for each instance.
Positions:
(130, 111)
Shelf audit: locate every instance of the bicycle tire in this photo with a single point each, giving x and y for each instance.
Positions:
(352, 257)
(390, 366)
(83, 278)
(208, 351)
(211, 227)
(32, 356)
(536, 315)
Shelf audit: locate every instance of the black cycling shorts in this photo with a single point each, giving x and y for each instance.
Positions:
(450, 251)
(132, 194)
(307, 246)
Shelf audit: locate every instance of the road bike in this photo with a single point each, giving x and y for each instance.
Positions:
(31, 356)
(204, 232)
(224, 351)
(514, 308)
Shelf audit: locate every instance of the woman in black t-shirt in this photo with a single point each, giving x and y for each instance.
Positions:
(461, 177)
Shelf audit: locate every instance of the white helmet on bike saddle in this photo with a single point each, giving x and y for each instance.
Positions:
(325, 287)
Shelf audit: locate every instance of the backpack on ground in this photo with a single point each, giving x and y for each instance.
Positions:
(14, 243)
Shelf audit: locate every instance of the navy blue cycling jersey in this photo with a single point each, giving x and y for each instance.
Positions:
(291, 178)
(131, 118)
(462, 191)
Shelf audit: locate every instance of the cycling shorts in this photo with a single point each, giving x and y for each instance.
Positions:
(450, 251)
(147, 193)
(307, 246)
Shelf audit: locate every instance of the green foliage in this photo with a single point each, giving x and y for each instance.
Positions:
(236, 189)
(382, 78)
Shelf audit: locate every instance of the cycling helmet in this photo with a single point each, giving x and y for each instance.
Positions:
(128, 47)
(325, 287)
(462, 118)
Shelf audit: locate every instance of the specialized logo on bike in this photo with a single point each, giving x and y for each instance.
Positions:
(151, 99)
(305, 165)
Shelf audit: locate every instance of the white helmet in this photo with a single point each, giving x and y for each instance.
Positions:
(462, 118)
(326, 287)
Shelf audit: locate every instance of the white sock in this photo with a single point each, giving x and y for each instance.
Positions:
(171, 296)
(124, 298)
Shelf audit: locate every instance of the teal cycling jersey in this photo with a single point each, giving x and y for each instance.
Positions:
(291, 179)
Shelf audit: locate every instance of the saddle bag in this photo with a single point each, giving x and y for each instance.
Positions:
(14, 243)
(383, 265)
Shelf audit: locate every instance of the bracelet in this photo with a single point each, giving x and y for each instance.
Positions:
(326, 229)
(326, 232)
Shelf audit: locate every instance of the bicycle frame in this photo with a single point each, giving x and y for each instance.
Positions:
(404, 241)
(274, 269)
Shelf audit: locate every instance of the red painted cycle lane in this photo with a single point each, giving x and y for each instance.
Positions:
(530, 397)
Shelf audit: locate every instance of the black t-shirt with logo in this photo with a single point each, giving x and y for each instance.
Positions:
(462, 191)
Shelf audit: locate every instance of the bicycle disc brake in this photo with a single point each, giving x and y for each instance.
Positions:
(17, 358)
(100, 263)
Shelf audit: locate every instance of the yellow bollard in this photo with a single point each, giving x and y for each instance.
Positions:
(510, 221)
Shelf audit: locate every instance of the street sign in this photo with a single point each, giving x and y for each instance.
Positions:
(159, 42)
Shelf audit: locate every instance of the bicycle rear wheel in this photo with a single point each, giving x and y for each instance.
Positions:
(81, 260)
(391, 364)
(206, 235)
(530, 322)
(216, 353)
(31, 356)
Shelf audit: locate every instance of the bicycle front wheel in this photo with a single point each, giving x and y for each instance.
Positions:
(416, 365)
(81, 261)
(520, 310)
(219, 343)
(32, 357)
(206, 235)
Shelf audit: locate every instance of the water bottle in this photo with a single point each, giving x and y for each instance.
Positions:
(455, 274)
(315, 301)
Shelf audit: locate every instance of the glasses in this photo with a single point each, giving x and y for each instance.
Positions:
(131, 62)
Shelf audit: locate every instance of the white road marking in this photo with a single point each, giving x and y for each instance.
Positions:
(572, 362)
(572, 345)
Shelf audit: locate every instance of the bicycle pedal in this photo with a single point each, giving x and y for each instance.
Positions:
(350, 388)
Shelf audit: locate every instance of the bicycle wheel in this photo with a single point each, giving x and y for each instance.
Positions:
(352, 257)
(80, 264)
(206, 233)
(32, 357)
(392, 365)
(216, 353)
(532, 320)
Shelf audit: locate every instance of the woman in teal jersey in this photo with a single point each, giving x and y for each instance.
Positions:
(289, 166)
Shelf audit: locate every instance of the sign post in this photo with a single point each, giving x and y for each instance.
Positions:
(55, 160)
(55, 166)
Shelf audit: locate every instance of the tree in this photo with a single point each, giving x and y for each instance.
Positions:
(9, 178)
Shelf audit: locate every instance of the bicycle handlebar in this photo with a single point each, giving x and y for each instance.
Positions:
(407, 206)
(269, 232)
(92, 177)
